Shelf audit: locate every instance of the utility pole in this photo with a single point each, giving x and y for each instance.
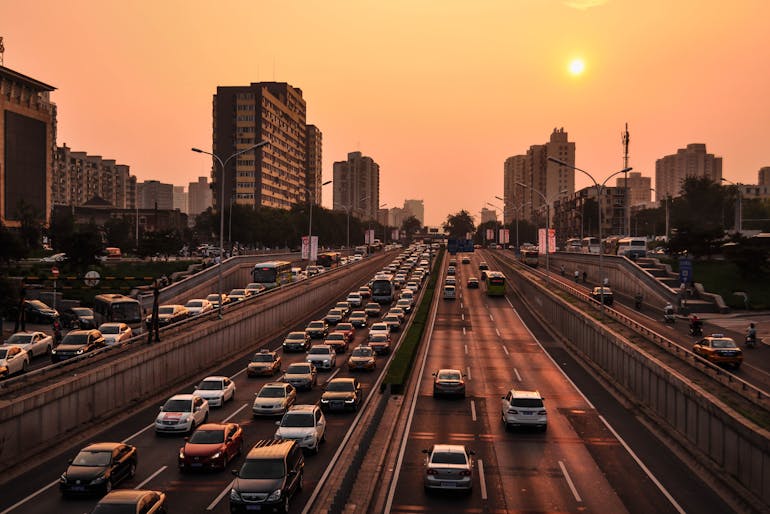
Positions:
(627, 210)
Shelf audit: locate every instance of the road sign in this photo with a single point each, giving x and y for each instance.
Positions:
(55, 272)
(92, 279)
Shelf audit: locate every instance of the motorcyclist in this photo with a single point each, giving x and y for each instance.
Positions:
(751, 334)
(696, 325)
(668, 312)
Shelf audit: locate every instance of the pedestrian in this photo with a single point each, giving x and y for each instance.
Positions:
(606, 281)
(585, 277)
(56, 332)
(562, 270)
(577, 276)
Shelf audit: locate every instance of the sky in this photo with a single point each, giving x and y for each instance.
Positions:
(438, 92)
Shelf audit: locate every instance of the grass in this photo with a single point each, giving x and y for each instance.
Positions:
(724, 278)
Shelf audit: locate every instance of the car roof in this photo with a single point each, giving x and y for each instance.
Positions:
(449, 369)
(214, 426)
(518, 393)
(275, 384)
(303, 408)
(101, 447)
(183, 397)
(342, 379)
(126, 496)
(449, 448)
(320, 346)
(271, 449)
(214, 377)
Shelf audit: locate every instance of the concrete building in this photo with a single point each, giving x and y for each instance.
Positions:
(576, 216)
(488, 215)
(415, 208)
(78, 177)
(274, 175)
(763, 177)
(153, 194)
(692, 161)
(396, 216)
(27, 146)
(639, 188)
(313, 163)
(198, 197)
(357, 186)
(180, 199)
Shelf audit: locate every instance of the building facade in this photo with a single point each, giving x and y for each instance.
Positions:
(27, 147)
(415, 208)
(180, 199)
(313, 163)
(577, 214)
(153, 194)
(198, 196)
(763, 176)
(692, 161)
(639, 188)
(78, 177)
(357, 186)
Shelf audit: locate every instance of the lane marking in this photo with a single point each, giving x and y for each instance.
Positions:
(221, 495)
(505, 350)
(461, 305)
(25, 500)
(466, 349)
(161, 470)
(231, 416)
(136, 434)
(509, 303)
(469, 372)
(473, 410)
(491, 318)
(462, 316)
(482, 481)
(516, 372)
(241, 371)
(497, 331)
(569, 482)
(463, 330)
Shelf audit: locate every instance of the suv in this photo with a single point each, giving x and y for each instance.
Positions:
(524, 408)
(322, 356)
(76, 343)
(305, 424)
(270, 476)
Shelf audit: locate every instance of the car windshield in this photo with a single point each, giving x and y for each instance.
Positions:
(82, 311)
(319, 351)
(449, 375)
(448, 458)
(344, 326)
(195, 303)
(391, 317)
(723, 343)
(262, 468)
(358, 315)
(178, 406)
(382, 327)
(342, 385)
(527, 402)
(362, 352)
(272, 392)
(296, 336)
(316, 324)
(298, 369)
(166, 310)
(3, 353)
(335, 337)
(110, 329)
(208, 437)
(297, 419)
(20, 339)
(373, 306)
(96, 458)
(211, 385)
(76, 339)
(262, 357)
(213, 298)
(335, 312)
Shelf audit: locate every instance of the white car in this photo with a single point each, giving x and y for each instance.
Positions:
(237, 295)
(274, 398)
(199, 306)
(524, 408)
(217, 390)
(305, 424)
(36, 343)
(115, 333)
(182, 413)
(355, 299)
(449, 292)
(57, 257)
(13, 359)
(322, 356)
(379, 327)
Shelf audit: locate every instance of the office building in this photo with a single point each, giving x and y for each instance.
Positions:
(27, 146)
(577, 215)
(692, 161)
(396, 216)
(763, 176)
(415, 208)
(639, 188)
(78, 177)
(180, 199)
(198, 197)
(153, 194)
(488, 215)
(313, 154)
(357, 186)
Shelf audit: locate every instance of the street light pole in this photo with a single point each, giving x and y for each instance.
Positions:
(223, 165)
(599, 193)
(547, 224)
(310, 198)
(516, 209)
(739, 210)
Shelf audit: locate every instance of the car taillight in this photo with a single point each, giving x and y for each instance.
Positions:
(432, 472)
(465, 473)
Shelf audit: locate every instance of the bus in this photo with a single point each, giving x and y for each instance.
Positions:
(632, 247)
(328, 259)
(529, 256)
(272, 273)
(591, 245)
(383, 289)
(573, 245)
(118, 308)
(494, 283)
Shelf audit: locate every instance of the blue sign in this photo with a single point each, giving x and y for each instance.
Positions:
(685, 270)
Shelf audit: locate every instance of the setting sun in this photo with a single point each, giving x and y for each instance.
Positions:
(576, 66)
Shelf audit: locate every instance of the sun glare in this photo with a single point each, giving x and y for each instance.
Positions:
(577, 66)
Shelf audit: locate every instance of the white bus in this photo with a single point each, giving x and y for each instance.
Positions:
(633, 247)
(383, 289)
(591, 245)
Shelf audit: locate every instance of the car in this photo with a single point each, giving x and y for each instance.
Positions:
(398, 311)
(270, 476)
(169, 314)
(36, 311)
(317, 329)
(305, 424)
(342, 394)
(55, 258)
(413, 286)
(449, 293)
(273, 399)
(719, 349)
(523, 408)
(322, 356)
(216, 390)
(76, 343)
(255, 288)
(182, 413)
(466, 260)
(407, 294)
(116, 333)
(302, 375)
(379, 342)
(198, 306)
(450, 281)
(345, 306)
(348, 329)
(358, 319)
(264, 362)
(97, 468)
(380, 326)
(13, 359)
(355, 299)
(212, 446)
(214, 299)
(451, 271)
(483, 266)
(472, 283)
(373, 309)
(78, 317)
(296, 342)
(132, 500)
(365, 292)
(453, 262)
(362, 357)
(313, 270)
(240, 294)
(448, 382)
(334, 316)
(448, 466)
(405, 304)
(596, 294)
(338, 341)
(393, 321)
(35, 343)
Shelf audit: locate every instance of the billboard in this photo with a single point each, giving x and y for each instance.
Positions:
(551, 240)
(504, 236)
(310, 252)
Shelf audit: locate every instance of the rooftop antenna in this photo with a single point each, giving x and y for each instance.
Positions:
(627, 211)
(2, 51)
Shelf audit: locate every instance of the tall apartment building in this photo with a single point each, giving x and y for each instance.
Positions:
(357, 186)
(274, 175)
(693, 161)
(313, 162)
(27, 146)
(639, 188)
(540, 176)
(198, 197)
(153, 194)
(79, 177)
(571, 217)
(396, 217)
(180, 199)
(415, 208)
(488, 215)
(763, 176)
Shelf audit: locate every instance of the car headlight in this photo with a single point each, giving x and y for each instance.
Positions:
(53, 352)
(79, 351)
(324, 400)
(274, 496)
(326, 361)
(98, 480)
(350, 400)
(181, 453)
(234, 495)
(216, 455)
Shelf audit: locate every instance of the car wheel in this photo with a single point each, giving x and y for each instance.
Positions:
(108, 486)
(285, 507)
(132, 470)
(206, 417)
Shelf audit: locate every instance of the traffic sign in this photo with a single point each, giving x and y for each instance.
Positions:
(55, 272)
(92, 278)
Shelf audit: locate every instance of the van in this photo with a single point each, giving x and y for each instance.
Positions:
(449, 292)
(270, 476)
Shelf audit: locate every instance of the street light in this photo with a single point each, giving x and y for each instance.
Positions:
(348, 208)
(665, 203)
(223, 165)
(384, 225)
(310, 198)
(739, 214)
(497, 208)
(547, 224)
(599, 192)
(516, 209)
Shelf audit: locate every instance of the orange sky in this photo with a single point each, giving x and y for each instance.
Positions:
(438, 92)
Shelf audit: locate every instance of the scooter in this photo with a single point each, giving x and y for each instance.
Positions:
(696, 330)
(751, 342)
(669, 317)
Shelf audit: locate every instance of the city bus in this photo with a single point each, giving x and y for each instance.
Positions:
(591, 245)
(383, 289)
(632, 247)
(494, 283)
(328, 259)
(573, 245)
(272, 273)
(118, 308)
(529, 256)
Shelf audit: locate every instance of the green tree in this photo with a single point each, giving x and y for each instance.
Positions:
(460, 224)
(30, 230)
(61, 228)
(11, 247)
(119, 233)
(82, 247)
(698, 217)
(411, 226)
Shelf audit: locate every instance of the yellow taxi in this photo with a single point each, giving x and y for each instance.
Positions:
(264, 362)
(719, 349)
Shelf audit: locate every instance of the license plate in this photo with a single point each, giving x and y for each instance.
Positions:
(336, 404)
(527, 412)
(196, 465)
(78, 488)
(448, 484)
(253, 507)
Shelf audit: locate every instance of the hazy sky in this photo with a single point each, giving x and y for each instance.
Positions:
(438, 92)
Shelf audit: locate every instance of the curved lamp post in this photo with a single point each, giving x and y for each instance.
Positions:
(547, 224)
(516, 209)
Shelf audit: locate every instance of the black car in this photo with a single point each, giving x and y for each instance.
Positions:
(317, 329)
(36, 311)
(76, 343)
(342, 394)
(97, 468)
(270, 476)
(78, 317)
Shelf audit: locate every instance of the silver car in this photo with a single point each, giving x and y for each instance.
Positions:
(448, 466)
(322, 356)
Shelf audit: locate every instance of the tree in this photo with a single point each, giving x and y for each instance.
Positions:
(11, 247)
(30, 229)
(411, 226)
(696, 219)
(119, 234)
(460, 224)
(82, 247)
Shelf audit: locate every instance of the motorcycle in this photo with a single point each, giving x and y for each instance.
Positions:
(751, 342)
(696, 330)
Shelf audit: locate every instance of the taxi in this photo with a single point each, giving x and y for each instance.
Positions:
(263, 363)
(719, 349)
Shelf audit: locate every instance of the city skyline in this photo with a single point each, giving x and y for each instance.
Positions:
(434, 99)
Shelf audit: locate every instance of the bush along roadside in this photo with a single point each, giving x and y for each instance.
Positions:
(401, 365)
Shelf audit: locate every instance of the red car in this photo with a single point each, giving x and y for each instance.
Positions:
(211, 446)
(348, 329)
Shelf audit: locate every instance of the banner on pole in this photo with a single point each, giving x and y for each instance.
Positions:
(504, 238)
(490, 234)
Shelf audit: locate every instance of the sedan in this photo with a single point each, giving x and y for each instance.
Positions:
(217, 390)
(132, 500)
(305, 424)
(719, 349)
(273, 399)
(38, 312)
(338, 340)
(362, 358)
(355, 299)
(348, 329)
(358, 319)
(115, 333)
(393, 321)
(169, 314)
(405, 303)
(13, 359)
(342, 394)
(473, 283)
(76, 343)
(322, 356)
(448, 382)
(372, 309)
(334, 316)
(379, 342)
(365, 292)
(264, 362)
(182, 413)
(35, 343)
(97, 468)
(296, 342)
(301, 375)
(198, 306)
(78, 317)
(214, 299)
(317, 329)
(211, 446)
(237, 295)
(448, 466)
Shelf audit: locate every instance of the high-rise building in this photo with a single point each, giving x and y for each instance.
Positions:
(415, 208)
(763, 177)
(27, 146)
(274, 175)
(357, 186)
(514, 172)
(180, 199)
(693, 161)
(639, 188)
(79, 177)
(396, 216)
(488, 215)
(153, 194)
(313, 162)
(198, 197)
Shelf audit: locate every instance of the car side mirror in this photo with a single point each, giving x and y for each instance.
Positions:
(234, 472)
(278, 423)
